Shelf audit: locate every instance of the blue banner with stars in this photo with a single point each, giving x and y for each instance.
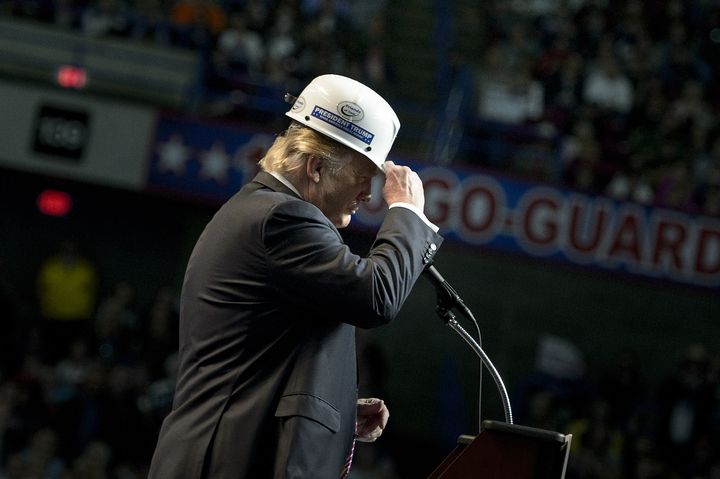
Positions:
(212, 162)
(200, 159)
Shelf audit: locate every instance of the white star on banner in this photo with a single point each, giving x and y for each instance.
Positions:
(215, 163)
(173, 155)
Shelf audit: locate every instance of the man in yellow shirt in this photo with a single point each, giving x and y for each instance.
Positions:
(67, 294)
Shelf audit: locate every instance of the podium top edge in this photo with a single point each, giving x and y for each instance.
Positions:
(535, 433)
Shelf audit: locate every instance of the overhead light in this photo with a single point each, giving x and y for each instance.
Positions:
(54, 203)
(69, 76)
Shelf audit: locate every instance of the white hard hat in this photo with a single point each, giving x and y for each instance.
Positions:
(349, 112)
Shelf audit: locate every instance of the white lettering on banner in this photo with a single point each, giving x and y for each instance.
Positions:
(482, 209)
(672, 244)
(587, 220)
(586, 230)
(539, 217)
(441, 190)
(583, 229)
(624, 240)
(707, 254)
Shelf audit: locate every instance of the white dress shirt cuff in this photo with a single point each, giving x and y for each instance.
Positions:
(415, 210)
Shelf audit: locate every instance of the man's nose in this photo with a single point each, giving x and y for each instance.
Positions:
(365, 192)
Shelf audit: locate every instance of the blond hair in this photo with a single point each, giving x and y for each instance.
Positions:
(290, 150)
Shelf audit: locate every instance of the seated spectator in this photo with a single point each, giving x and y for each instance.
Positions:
(706, 164)
(510, 96)
(329, 15)
(623, 385)
(155, 402)
(639, 56)
(366, 12)
(93, 463)
(37, 10)
(710, 201)
(597, 445)
(13, 335)
(105, 17)
(160, 333)
(556, 388)
(116, 321)
(551, 60)
(519, 48)
(633, 185)
(585, 168)
(592, 25)
(690, 108)
(675, 189)
(582, 171)
(150, 22)
(563, 90)
(65, 14)
(197, 22)
(608, 87)
(39, 459)
(376, 70)
(257, 15)
(67, 286)
(686, 401)
(679, 62)
(239, 49)
(282, 43)
(581, 137)
(649, 144)
(370, 63)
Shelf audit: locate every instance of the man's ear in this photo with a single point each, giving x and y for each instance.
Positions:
(313, 167)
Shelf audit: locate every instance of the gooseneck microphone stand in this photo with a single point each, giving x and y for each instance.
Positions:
(447, 300)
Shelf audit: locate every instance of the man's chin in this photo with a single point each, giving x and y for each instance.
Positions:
(343, 222)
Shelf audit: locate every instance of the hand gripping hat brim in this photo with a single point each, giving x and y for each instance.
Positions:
(350, 113)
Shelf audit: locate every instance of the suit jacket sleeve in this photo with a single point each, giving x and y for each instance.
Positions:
(310, 263)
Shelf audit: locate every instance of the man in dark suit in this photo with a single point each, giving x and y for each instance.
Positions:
(267, 380)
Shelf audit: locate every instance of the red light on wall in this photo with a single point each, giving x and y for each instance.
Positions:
(71, 77)
(54, 203)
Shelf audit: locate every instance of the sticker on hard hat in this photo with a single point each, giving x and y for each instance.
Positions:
(343, 124)
(299, 104)
(350, 110)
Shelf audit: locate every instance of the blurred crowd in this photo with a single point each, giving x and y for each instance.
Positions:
(609, 97)
(87, 376)
(624, 425)
(248, 48)
(613, 97)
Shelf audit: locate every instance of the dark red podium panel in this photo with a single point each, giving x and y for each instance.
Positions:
(507, 451)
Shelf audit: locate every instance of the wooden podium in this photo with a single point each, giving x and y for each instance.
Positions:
(507, 451)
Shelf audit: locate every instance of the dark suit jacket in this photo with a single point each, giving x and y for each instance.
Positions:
(269, 305)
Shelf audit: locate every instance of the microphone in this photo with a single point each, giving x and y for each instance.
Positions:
(434, 275)
(447, 296)
(447, 299)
